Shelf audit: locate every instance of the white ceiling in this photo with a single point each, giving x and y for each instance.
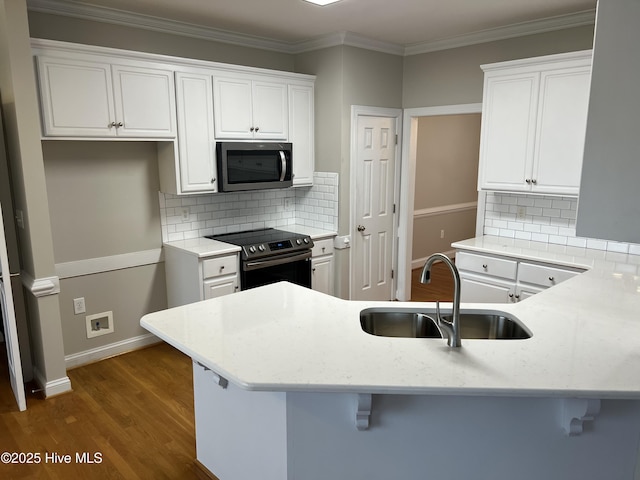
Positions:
(396, 22)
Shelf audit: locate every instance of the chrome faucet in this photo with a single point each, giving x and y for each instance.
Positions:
(452, 328)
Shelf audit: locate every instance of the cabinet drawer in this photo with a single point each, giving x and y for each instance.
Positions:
(215, 267)
(322, 247)
(543, 275)
(494, 266)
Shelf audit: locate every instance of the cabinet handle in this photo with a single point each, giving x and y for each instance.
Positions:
(313, 270)
(534, 181)
(222, 268)
(112, 124)
(257, 128)
(511, 295)
(528, 180)
(484, 265)
(517, 297)
(251, 129)
(213, 180)
(120, 124)
(551, 279)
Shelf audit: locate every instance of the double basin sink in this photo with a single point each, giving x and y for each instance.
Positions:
(413, 323)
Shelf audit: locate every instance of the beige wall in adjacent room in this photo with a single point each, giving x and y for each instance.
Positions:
(446, 177)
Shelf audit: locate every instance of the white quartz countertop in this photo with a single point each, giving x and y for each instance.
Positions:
(282, 337)
(205, 247)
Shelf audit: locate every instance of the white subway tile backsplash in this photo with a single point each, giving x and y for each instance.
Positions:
(315, 206)
(547, 219)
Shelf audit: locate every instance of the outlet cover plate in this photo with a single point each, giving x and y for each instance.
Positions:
(105, 318)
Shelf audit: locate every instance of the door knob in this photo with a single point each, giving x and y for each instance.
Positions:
(361, 228)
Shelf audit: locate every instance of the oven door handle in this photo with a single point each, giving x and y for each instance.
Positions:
(283, 165)
(279, 260)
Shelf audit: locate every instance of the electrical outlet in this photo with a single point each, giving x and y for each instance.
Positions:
(521, 213)
(99, 324)
(288, 206)
(79, 306)
(441, 233)
(185, 213)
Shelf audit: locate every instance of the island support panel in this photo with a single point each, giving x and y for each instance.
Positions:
(314, 436)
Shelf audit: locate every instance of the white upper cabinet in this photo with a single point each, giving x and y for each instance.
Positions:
(85, 98)
(533, 124)
(196, 140)
(247, 107)
(301, 133)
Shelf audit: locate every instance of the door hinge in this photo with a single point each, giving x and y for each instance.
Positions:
(394, 208)
(391, 274)
(396, 138)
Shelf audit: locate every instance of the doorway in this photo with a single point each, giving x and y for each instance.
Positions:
(427, 216)
(374, 196)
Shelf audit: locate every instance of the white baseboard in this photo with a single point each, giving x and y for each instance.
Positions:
(419, 262)
(106, 351)
(54, 387)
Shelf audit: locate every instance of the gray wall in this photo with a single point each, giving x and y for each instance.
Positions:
(451, 77)
(20, 105)
(608, 207)
(347, 76)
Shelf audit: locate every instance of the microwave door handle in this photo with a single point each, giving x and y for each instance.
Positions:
(283, 166)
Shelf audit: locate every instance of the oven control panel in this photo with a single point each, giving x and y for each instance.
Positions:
(281, 247)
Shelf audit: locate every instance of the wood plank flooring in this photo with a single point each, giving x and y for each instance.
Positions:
(440, 288)
(136, 410)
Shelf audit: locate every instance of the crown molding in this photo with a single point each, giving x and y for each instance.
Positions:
(129, 19)
(84, 11)
(579, 19)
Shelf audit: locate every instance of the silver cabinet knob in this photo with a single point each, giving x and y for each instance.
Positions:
(361, 228)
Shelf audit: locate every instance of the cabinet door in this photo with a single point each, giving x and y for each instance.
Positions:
(476, 289)
(196, 138)
(523, 292)
(322, 274)
(144, 101)
(508, 131)
(562, 123)
(76, 98)
(301, 133)
(232, 108)
(270, 113)
(217, 287)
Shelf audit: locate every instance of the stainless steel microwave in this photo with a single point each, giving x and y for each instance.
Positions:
(253, 165)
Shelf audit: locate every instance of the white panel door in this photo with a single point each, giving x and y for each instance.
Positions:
(76, 97)
(232, 108)
(508, 131)
(373, 239)
(144, 102)
(270, 112)
(562, 123)
(196, 140)
(9, 321)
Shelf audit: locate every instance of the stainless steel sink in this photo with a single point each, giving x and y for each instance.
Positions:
(409, 323)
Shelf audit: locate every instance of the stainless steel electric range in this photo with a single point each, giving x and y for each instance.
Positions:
(270, 255)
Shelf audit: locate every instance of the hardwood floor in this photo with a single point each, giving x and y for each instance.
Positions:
(135, 410)
(440, 288)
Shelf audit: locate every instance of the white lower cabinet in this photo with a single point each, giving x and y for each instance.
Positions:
(322, 266)
(191, 278)
(495, 279)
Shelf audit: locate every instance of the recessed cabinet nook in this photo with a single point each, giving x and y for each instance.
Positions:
(534, 116)
(96, 93)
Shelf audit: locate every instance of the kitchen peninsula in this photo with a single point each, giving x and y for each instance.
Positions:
(287, 385)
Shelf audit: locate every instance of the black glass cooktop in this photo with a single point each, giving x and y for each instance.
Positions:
(253, 237)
